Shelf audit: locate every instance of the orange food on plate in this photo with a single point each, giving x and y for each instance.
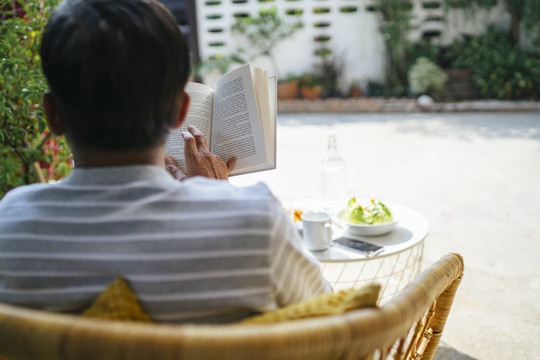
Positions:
(297, 215)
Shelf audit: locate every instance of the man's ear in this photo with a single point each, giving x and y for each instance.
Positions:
(182, 113)
(51, 114)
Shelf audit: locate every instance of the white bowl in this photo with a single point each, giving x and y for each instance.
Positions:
(367, 229)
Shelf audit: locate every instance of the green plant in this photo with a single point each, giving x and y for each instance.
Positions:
(310, 86)
(355, 83)
(291, 77)
(28, 151)
(309, 80)
(374, 88)
(289, 87)
(296, 12)
(263, 33)
(499, 69)
(426, 77)
(348, 9)
(322, 38)
(355, 88)
(423, 48)
(395, 27)
(321, 10)
(330, 69)
(220, 62)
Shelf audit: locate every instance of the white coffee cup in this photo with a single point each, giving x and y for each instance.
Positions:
(317, 230)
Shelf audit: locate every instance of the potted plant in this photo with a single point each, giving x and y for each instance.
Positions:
(288, 88)
(310, 86)
(355, 90)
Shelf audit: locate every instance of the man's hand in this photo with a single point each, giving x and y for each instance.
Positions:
(200, 161)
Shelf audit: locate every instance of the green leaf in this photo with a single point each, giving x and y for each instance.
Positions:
(42, 125)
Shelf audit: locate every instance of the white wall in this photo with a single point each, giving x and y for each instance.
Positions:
(355, 35)
(464, 22)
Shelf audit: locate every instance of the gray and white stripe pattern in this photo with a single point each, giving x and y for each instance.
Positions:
(197, 251)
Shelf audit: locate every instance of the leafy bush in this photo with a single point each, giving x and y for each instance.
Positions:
(426, 77)
(498, 68)
(374, 89)
(28, 152)
(423, 48)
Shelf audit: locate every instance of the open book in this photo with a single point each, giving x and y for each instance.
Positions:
(238, 118)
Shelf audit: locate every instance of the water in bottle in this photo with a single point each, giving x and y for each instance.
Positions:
(334, 185)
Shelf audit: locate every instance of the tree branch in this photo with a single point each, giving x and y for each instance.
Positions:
(47, 137)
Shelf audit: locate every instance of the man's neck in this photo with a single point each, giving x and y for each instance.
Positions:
(92, 158)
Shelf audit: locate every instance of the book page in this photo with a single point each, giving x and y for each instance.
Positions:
(272, 101)
(199, 114)
(236, 129)
(269, 130)
(266, 94)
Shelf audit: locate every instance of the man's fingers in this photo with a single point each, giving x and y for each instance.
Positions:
(169, 160)
(199, 137)
(190, 145)
(199, 160)
(175, 172)
(217, 166)
(230, 164)
(172, 168)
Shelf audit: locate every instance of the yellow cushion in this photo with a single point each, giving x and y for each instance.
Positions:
(117, 302)
(323, 305)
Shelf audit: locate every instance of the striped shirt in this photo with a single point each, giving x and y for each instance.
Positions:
(200, 250)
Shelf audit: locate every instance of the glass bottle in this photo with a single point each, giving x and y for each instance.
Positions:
(334, 185)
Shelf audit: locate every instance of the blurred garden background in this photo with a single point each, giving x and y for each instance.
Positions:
(451, 50)
(474, 175)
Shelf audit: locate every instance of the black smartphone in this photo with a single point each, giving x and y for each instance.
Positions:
(358, 245)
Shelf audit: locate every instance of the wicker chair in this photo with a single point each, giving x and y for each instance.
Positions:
(407, 327)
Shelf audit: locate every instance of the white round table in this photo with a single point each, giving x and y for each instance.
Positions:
(394, 267)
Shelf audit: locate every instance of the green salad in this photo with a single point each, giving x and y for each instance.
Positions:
(374, 213)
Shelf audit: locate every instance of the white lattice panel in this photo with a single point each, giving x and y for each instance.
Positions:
(351, 25)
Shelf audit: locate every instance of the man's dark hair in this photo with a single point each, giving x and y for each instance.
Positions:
(116, 70)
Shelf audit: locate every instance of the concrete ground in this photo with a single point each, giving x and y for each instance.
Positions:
(476, 178)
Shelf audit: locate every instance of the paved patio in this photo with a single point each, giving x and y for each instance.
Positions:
(476, 178)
